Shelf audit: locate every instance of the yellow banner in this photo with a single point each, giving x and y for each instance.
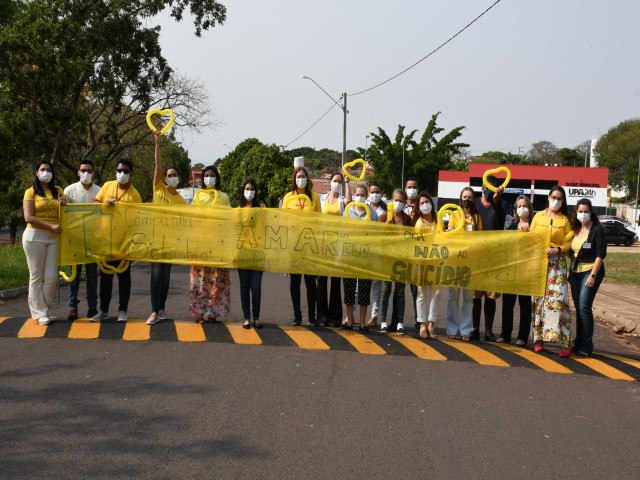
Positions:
(277, 240)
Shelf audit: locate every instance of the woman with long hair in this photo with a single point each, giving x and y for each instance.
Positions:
(41, 207)
(588, 251)
(377, 205)
(551, 316)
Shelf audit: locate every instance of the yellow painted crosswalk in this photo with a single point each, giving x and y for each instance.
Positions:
(607, 365)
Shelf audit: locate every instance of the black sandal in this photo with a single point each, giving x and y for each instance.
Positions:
(257, 324)
(246, 324)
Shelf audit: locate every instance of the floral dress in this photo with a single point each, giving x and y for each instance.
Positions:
(210, 286)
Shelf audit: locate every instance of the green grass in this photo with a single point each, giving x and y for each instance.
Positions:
(13, 267)
(623, 268)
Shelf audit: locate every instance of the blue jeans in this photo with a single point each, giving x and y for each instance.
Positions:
(160, 277)
(583, 301)
(91, 270)
(250, 290)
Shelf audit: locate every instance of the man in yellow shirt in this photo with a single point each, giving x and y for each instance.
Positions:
(117, 191)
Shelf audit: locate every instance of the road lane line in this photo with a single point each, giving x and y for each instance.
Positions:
(304, 338)
(628, 361)
(418, 348)
(477, 354)
(361, 343)
(2, 319)
(82, 328)
(31, 329)
(187, 331)
(604, 369)
(243, 336)
(545, 363)
(136, 330)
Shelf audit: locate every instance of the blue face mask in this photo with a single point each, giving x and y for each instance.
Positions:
(487, 194)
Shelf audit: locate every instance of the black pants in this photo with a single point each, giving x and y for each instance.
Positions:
(329, 303)
(508, 304)
(124, 288)
(294, 289)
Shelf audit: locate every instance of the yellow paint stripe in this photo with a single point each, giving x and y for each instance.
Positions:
(136, 330)
(361, 342)
(304, 338)
(190, 332)
(83, 328)
(477, 354)
(418, 348)
(243, 336)
(31, 329)
(2, 319)
(628, 361)
(604, 369)
(545, 363)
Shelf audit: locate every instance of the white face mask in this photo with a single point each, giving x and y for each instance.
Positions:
(412, 193)
(375, 197)
(45, 176)
(249, 194)
(123, 178)
(301, 182)
(335, 186)
(583, 217)
(426, 208)
(555, 204)
(359, 198)
(210, 181)
(173, 181)
(86, 178)
(522, 211)
(398, 206)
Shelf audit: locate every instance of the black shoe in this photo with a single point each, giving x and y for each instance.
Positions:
(297, 321)
(246, 324)
(92, 312)
(346, 326)
(489, 337)
(582, 355)
(314, 322)
(257, 324)
(401, 330)
(475, 335)
(363, 328)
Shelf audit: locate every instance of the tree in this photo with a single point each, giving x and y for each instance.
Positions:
(543, 152)
(619, 151)
(570, 157)
(423, 159)
(503, 158)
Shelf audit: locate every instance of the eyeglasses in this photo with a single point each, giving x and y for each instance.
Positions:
(86, 170)
(122, 170)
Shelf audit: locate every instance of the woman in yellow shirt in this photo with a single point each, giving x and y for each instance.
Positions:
(210, 286)
(552, 321)
(41, 208)
(300, 186)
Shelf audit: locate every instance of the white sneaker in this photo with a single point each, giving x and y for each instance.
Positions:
(162, 315)
(44, 321)
(100, 316)
(122, 316)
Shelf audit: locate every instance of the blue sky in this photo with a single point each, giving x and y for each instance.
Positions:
(529, 70)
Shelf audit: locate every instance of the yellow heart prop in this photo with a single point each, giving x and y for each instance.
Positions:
(67, 278)
(357, 161)
(296, 197)
(206, 192)
(496, 170)
(389, 211)
(444, 210)
(359, 204)
(166, 111)
(109, 269)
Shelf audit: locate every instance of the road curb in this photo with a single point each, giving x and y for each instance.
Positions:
(21, 291)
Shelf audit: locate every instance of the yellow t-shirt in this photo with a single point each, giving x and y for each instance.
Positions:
(45, 208)
(471, 224)
(111, 191)
(576, 245)
(422, 224)
(561, 229)
(331, 209)
(161, 194)
(302, 204)
(209, 195)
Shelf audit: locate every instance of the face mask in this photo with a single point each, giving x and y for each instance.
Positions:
(523, 211)
(398, 206)
(487, 194)
(426, 208)
(375, 197)
(555, 204)
(466, 203)
(172, 181)
(45, 177)
(412, 193)
(301, 182)
(359, 198)
(583, 217)
(123, 178)
(249, 194)
(210, 181)
(86, 178)
(335, 186)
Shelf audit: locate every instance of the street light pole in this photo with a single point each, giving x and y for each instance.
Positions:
(366, 148)
(402, 182)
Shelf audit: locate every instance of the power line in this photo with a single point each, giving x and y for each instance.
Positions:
(314, 124)
(428, 55)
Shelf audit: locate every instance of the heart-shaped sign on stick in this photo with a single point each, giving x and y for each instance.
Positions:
(302, 201)
(357, 161)
(496, 170)
(367, 215)
(156, 111)
(447, 209)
